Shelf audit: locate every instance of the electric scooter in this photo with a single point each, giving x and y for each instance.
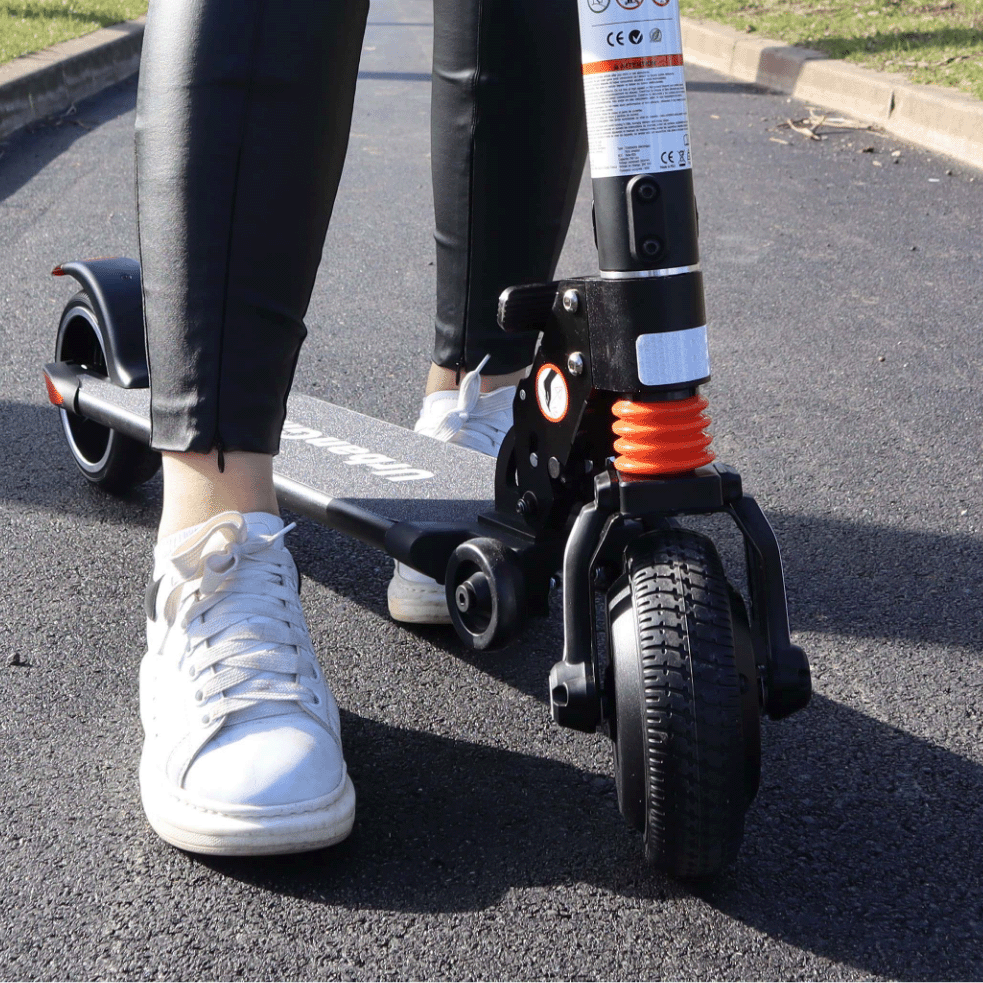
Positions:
(607, 457)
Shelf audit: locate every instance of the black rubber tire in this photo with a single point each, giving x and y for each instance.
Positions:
(113, 462)
(485, 594)
(683, 767)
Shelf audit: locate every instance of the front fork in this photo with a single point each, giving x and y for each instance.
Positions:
(623, 354)
(558, 481)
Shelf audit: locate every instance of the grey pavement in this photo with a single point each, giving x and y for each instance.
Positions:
(844, 287)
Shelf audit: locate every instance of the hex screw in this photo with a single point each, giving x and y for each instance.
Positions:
(575, 363)
(464, 597)
(526, 506)
(571, 301)
(651, 246)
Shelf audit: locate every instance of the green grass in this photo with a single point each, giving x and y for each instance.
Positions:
(35, 24)
(938, 41)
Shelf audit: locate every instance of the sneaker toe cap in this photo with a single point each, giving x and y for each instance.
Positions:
(265, 763)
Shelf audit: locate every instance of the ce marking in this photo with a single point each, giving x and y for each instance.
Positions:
(667, 157)
(619, 38)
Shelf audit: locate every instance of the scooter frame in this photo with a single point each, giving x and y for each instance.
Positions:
(563, 514)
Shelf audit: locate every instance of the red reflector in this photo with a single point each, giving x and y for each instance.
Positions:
(53, 393)
(58, 271)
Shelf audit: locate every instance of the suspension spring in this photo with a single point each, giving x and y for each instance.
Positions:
(658, 439)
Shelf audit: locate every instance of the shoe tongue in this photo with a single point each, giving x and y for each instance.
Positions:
(445, 400)
(263, 523)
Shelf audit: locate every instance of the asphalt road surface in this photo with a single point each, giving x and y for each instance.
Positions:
(844, 291)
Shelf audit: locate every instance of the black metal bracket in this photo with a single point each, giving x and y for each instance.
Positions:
(574, 684)
(787, 680)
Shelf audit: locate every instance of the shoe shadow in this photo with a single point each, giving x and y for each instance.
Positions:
(867, 858)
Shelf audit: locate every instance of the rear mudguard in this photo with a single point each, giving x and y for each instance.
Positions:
(113, 287)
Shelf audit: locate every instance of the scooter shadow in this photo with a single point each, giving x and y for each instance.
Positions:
(868, 859)
(862, 845)
(360, 574)
(37, 472)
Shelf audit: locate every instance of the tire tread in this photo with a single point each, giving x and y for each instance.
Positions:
(694, 747)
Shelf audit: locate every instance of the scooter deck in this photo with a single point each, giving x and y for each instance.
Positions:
(378, 468)
(373, 480)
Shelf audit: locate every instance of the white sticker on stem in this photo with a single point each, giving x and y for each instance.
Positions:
(673, 357)
(634, 87)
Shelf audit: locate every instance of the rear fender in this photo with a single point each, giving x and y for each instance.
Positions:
(113, 286)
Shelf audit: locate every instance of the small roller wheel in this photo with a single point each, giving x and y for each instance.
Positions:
(485, 594)
(106, 458)
(685, 728)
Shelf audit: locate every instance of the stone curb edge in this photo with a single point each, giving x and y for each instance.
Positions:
(53, 80)
(941, 120)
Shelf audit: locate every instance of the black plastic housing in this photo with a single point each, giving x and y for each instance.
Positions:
(619, 311)
(113, 286)
(628, 217)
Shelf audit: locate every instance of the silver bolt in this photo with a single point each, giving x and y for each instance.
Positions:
(575, 364)
(534, 459)
(554, 467)
(571, 301)
(522, 394)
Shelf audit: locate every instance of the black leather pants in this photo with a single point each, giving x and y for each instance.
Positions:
(243, 115)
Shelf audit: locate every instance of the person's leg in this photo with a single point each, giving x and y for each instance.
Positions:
(441, 379)
(195, 489)
(509, 142)
(242, 123)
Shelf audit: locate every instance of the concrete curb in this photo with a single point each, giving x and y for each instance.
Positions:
(50, 81)
(941, 120)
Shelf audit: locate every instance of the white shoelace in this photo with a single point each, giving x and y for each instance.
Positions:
(246, 640)
(445, 419)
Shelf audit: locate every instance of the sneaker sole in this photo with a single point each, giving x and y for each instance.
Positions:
(417, 604)
(217, 829)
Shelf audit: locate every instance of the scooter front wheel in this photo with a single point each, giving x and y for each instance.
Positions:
(683, 772)
(106, 458)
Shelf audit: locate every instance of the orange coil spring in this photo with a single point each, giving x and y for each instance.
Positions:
(662, 438)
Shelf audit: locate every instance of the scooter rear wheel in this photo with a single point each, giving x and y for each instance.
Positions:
(685, 765)
(106, 458)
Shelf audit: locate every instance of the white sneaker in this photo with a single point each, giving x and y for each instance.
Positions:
(472, 419)
(243, 748)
